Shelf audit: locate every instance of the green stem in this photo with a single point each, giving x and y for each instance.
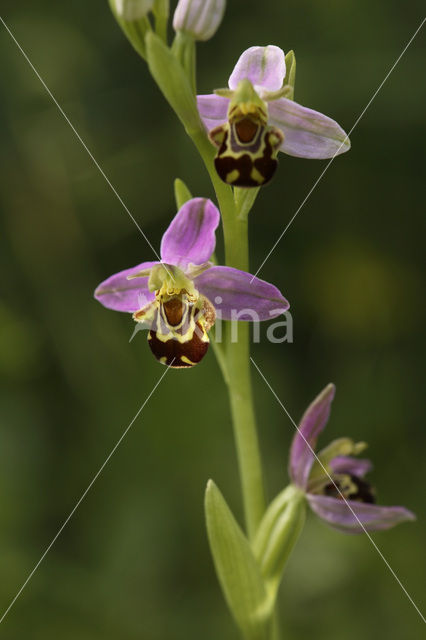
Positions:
(237, 352)
(235, 359)
(134, 30)
(220, 355)
(241, 396)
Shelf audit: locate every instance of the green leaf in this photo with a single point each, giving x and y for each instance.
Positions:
(237, 569)
(290, 77)
(173, 82)
(182, 193)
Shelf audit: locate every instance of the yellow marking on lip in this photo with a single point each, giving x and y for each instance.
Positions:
(232, 175)
(257, 176)
(174, 335)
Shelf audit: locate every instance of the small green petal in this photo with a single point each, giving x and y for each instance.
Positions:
(339, 447)
(224, 93)
(182, 193)
(170, 279)
(290, 77)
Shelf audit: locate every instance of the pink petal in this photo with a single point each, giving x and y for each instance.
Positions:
(191, 236)
(348, 518)
(263, 66)
(237, 296)
(312, 423)
(307, 133)
(353, 466)
(213, 110)
(120, 294)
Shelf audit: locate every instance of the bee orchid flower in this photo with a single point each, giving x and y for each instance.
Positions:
(256, 118)
(177, 298)
(333, 480)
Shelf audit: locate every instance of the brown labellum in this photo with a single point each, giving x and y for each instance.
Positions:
(247, 154)
(180, 354)
(351, 488)
(181, 338)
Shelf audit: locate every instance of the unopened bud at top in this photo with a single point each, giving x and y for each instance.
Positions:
(133, 9)
(199, 18)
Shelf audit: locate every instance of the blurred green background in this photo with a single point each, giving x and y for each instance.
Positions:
(133, 563)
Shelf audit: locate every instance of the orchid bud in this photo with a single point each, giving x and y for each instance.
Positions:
(199, 18)
(277, 534)
(132, 9)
